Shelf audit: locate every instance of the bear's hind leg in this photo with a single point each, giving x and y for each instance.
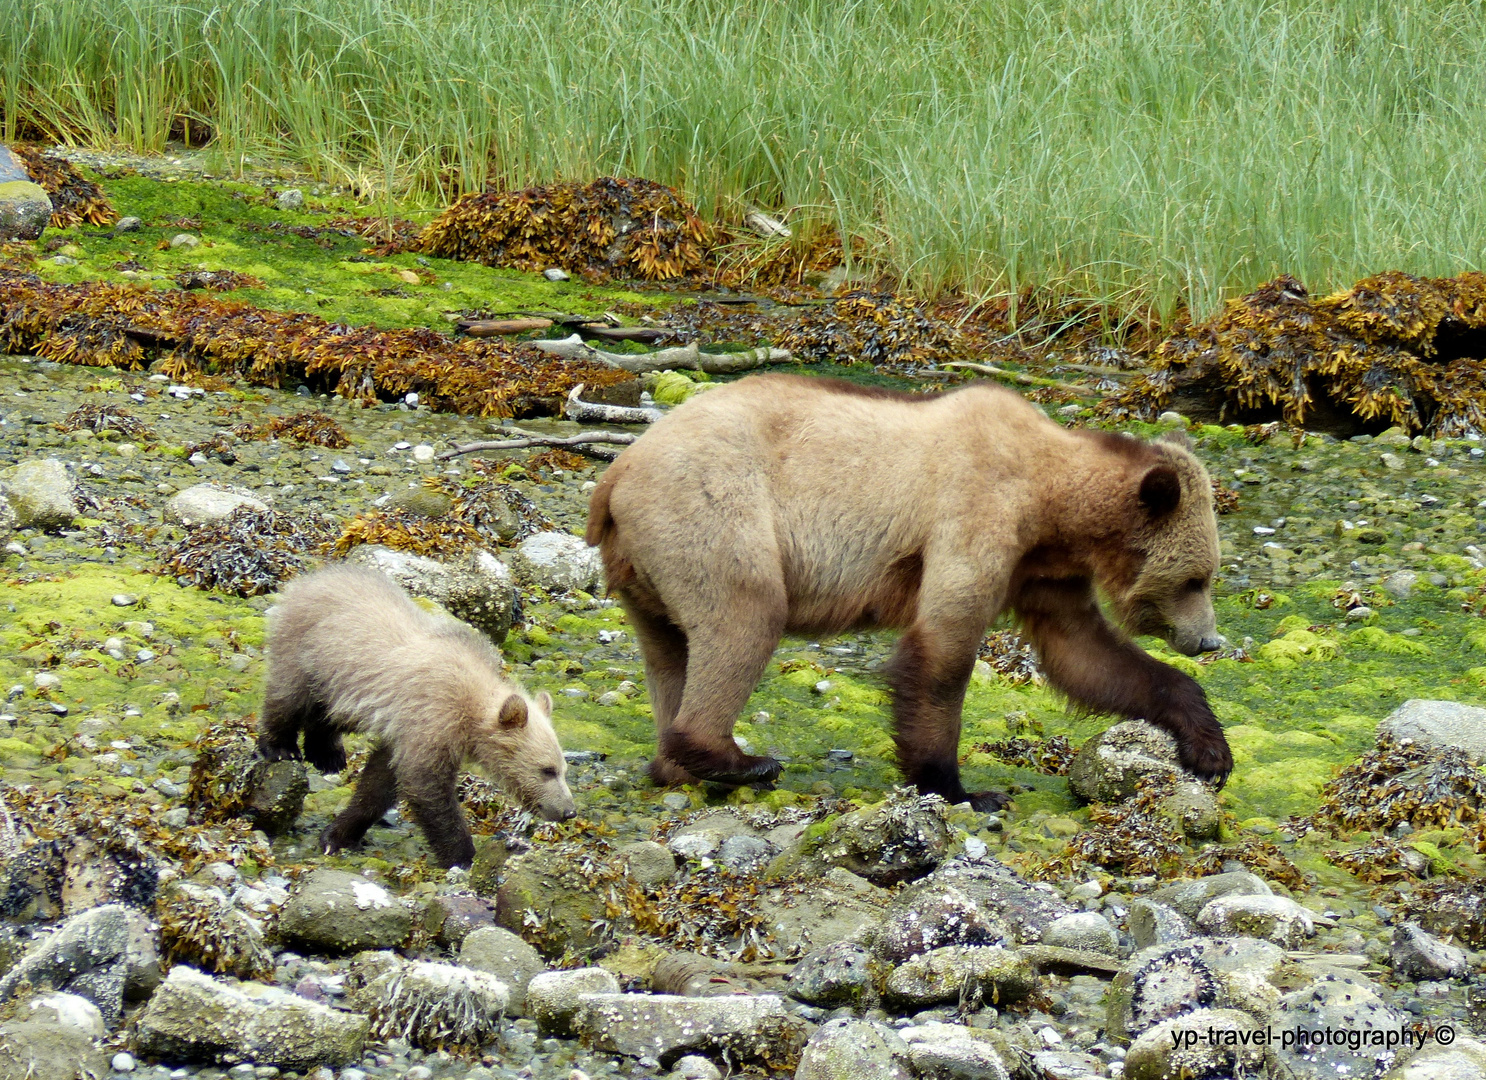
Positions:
(432, 794)
(663, 644)
(376, 793)
(724, 663)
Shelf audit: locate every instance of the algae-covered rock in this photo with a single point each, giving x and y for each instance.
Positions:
(855, 1050)
(40, 492)
(340, 912)
(476, 587)
(195, 1017)
(1441, 724)
(424, 501)
(31, 1051)
(200, 928)
(229, 779)
(559, 562)
(546, 900)
(25, 210)
(1109, 767)
(1270, 918)
(902, 838)
(839, 974)
(500, 953)
(552, 997)
(1193, 806)
(958, 972)
(1200, 1044)
(88, 956)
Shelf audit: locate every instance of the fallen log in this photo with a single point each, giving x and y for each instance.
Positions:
(1022, 379)
(499, 327)
(585, 442)
(685, 357)
(595, 412)
(644, 334)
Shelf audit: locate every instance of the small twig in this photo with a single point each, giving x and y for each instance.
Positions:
(1020, 378)
(582, 439)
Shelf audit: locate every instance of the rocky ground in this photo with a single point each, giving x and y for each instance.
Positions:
(165, 911)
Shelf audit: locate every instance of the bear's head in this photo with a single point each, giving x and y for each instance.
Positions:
(1175, 545)
(522, 754)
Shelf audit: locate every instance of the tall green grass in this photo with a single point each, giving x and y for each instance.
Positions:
(1165, 150)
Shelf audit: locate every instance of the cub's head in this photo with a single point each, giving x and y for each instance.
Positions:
(522, 754)
(1169, 591)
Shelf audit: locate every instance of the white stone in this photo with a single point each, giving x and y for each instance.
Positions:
(206, 503)
(423, 453)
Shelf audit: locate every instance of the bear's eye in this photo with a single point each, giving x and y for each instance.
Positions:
(550, 773)
(1196, 584)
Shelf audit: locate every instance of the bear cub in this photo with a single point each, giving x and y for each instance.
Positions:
(349, 651)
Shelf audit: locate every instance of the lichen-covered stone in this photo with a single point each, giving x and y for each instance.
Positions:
(498, 952)
(1197, 1045)
(39, 491)
(1108, 768)
(476, 588)
(839, 974)
(334, 911)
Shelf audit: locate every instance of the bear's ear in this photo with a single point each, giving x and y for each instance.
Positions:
(1160, 490)
(1176, 437)
(512, 712)
(544, 702)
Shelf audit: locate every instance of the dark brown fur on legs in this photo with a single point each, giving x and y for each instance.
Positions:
(376, 793)
(664, 647)
(1101, 670)
(435, 806)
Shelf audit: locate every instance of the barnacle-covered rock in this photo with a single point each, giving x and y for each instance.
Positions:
(552, 997)
(1269, 918)
(29, 1051)
(558, 561)
(1167, 981)
(901, 838)
(855, 1050)
(229, 779)
(839, 974)
(248, 552)
(980, 895)
(1108, 768)
(1337, 1026)
(739, 1027)
(1190, 897)
(435, 1006)
(88, 956)
(955, 973)
(334, 911)
(1198, 1045)
(933, 918)
(200, 927)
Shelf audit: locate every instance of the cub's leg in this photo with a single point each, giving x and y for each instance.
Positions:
(432, 793)
(929, 673)
(376, 793)
(323, 747)
(724, 663)
(1100, 669)
(287, 708)
(663, 644)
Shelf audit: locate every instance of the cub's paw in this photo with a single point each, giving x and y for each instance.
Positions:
(989, 802)
(278, 751)
(328, 757)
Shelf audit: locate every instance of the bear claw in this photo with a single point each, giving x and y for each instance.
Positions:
(989, 802)
(750, 770)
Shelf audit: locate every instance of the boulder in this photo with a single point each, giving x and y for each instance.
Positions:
(1153, 923)
(476, 588)
(902, 838)
(1270, 918)
(206, 503)
(958, 973)
(552, 997)
(32, 1051)
(1439, 724)
(999, 897)
(1083, 930)
(839, 974)
(547, 899)
(558, 562)
(646, 863)
(25, 207)
(87, 956)
(40, 492)
(953, 1052)
(337, 912)
(1417, 954)
(1334, 1006)
(1465, 1059)
(818, 913)
(1167, 981)
(195, 1017)
(855, 1050)
(744, 1027)
(1200, 1044)
(934, 918)
(1109, 767)
(453, 917)
(435, 1005)
(500, 953)
(1190, 897)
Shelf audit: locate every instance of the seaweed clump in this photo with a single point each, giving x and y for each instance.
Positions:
(1049, 756)
(1133, 838)
(1427, 787)
(310, 428)
(609, 228)
(1010, 657)
(1382, 862)
(200, 927)
(405, 529)
(186, 334)
(106, 417)
(216, 280)
(879, 329)
(1393, 349)
(1260, 856)
(229, 780)
(248, 552)
(1453, 908)
(75, 200)
(487, 515)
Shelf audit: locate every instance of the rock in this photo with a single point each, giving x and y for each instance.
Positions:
(205, 930)
(1420, 956)
(7, 519)
(744, 1027)
(433, 1005)
(127, 224)
(934, 918)
(423, 501)
(87, 957)
(1066, 1064)
(1333, 1006)
(500, 953)
(552, 273)
(1152, 923)
(25, 208)
(1190, 897)
(1109, 766)
(48, 1052)
(1159, 983)
(956, 973)
(704, 836)
(476, 588)
(1193, 807)
(203, 504)
(1203, 1043)
(122, 1062)
(547, 899)
(232, 779)
(559, 562)
(452, 918)
(69, 1010)
(552, 997)
(292, 199)
(141, 957)
(744, 854)
(996, 892)
(423, 454)
(818, 913)
(855, 1050)
(838, 974)
(40, 492)
(1400, 584)
(1083, 930)
(340, 912)
(1465, 1059)
(695, 1067)
(1270, 918)
(194, 1017)
(1439, 724)
(183, 240)
(646, 862)
(953, 1052)
(902, 838)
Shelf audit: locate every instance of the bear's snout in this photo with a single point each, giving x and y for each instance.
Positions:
(559, 811)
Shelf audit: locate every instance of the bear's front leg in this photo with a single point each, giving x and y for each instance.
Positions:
(376, 793)
(1100, 669)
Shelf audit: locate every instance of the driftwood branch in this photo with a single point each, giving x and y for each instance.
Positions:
(1020, 378)
(498, 327)
(594, 412)
(585, 442)
(687, 357)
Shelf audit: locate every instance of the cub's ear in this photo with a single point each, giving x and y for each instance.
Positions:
(1160, 490)
(513, 712)
(1176, 437)
(544, 702)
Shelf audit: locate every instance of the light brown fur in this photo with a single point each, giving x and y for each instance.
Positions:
(785, 504)
(349, 651)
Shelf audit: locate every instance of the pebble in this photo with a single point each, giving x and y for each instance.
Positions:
(423, 453)
(293, 199)
(124, 600)
(123, 1062)
(674, 800)
(184, 240)
(45, 680)
(126, 225)
(340, 466)
(554, 274)
(198, 459)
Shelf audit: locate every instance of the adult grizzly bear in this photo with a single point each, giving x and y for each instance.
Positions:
(789, 504)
